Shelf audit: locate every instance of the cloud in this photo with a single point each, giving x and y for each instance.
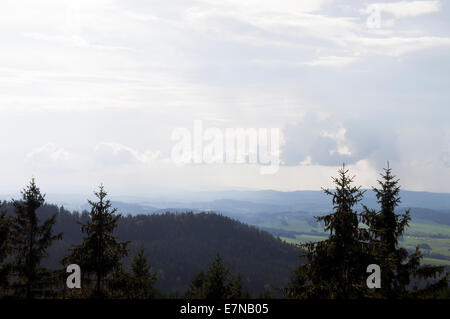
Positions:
(332, 140)
(405, 9)
(271, 6)
(49, 153)
(317, 141)
(340, 139)
(334, 61)
(320, 61)
(144, 55)
(73, 40)
(310, 29)
(397, 45)
(50, 159)
(445, 150)
(129, 72)
(118, 154)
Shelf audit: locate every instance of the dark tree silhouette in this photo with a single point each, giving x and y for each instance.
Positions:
(5, 250)
(216, 283)
(143, 278)
(237, 289)
(335, 268)
(385, 228)
(138, 283)
(196, 289)
(100, 253)
(30, 241)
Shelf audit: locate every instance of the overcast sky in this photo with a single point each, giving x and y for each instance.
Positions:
(90, 91)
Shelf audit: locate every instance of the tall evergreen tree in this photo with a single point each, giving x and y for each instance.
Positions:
(217, 277)
(100, 253)
(385, 228)
(216, 283)
(196, 287)
(30, 240)
(5, 250)
(335, 268)
(237, 289)
(143, 278)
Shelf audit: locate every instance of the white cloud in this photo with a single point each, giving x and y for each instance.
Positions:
(397, 46)
(333, 61)
(72, 40)
(306, 162)
(285, 26)
(115, 153)
(50, 159)
(271, 6)
(404, 9)
(341, 142)
(49, 152)
(133, 70)
(321, 61)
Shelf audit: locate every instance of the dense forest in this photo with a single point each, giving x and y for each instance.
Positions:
(205, 255)
(178, 246)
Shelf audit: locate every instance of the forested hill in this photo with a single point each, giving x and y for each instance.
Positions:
(178, 246)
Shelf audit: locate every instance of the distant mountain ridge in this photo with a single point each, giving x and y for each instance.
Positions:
(243, 202)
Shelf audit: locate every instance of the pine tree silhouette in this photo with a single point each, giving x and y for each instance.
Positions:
(30, 241)
(335, 268)
(398, 268)
(5, 250)
(100, 253)
(216, 283)
(143, 278)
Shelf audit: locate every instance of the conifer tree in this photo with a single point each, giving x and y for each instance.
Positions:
(237, 289)
(30, 241)
(142, 279)
(385, 228)
(216, 283)
(100, 253)
(217, 278)
(5, 250)
(335, 268)
(195, 289)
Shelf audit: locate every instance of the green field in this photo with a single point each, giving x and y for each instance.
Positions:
(420, 232)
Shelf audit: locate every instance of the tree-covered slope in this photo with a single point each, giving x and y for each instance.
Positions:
(178, 246)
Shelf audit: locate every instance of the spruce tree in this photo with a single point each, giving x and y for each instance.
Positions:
(30, 241)
(217, 278)
(142, 279)
(195, 289)
(385, 228)
(100, 253)
(335, 267)
(216, 283)
(5, 250)
(237, 289)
